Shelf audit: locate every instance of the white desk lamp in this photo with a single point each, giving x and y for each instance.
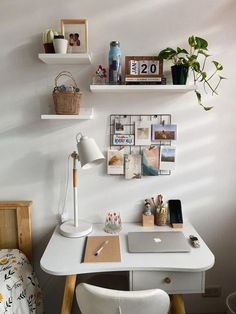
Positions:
(89, 156)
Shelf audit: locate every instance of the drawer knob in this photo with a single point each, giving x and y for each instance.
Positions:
(167, 280)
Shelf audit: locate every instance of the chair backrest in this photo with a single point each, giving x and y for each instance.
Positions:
(96, 300)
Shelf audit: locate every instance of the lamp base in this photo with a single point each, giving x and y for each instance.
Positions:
(68, 229)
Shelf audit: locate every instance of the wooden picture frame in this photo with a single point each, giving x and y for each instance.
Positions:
(76, 32)
(143, 70)
(15, 226)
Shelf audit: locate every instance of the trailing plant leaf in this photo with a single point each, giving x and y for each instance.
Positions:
(191, 41)
(203, 53)
(207, 108)
(196, 66)
(167, 53)
(222, 77)
(180, 50)
(203, 75)
(218, 66)
(199, 96)
(201, 43)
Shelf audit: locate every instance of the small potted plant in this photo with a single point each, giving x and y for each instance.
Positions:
(60, 44)
(195, 59)
(48, 37)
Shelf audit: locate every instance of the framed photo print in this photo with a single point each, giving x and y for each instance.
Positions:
(76, 32)
(133, 166)
(151, 161)
(162, 132)
(115, 161)
(167, 159)
(120, 126)
(142, 133)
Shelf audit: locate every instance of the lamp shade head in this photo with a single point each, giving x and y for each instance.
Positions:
(89, 153)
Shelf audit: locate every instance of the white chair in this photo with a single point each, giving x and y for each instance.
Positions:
(96, 300)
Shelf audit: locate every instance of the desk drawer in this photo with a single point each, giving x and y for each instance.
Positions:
(171, 282)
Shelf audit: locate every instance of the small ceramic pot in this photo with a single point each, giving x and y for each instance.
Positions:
(60, 45)
(49, 48)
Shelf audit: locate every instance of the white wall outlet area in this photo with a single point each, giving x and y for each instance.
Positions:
(212, 292)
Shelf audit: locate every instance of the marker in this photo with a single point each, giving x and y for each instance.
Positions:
(101, 248)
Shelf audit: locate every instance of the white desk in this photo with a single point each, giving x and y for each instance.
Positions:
(186, 271)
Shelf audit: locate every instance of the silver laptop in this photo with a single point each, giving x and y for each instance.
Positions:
(157, 242)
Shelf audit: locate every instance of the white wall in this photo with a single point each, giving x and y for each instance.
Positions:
(33, 152)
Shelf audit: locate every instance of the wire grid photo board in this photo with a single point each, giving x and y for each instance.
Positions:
(135, 133)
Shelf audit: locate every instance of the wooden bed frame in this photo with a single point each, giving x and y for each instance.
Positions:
(15, 226)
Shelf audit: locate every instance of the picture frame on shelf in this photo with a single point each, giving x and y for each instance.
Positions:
(76, 32)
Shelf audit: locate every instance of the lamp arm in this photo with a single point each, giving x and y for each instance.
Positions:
(75, 156)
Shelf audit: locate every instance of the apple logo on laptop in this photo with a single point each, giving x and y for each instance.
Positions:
(157, 240)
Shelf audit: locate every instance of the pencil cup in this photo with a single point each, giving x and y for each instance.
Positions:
(113, 222)
(161, 217)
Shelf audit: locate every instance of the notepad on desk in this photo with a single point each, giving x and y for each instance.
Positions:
(102, 249)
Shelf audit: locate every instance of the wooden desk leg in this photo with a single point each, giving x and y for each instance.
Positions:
(177, 304)
(68, 294)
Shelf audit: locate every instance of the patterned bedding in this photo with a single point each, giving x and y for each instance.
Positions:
(19, 288)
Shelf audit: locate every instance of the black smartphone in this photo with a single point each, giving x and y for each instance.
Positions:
(175, 210)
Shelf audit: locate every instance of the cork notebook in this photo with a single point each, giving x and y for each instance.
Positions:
(109, 253)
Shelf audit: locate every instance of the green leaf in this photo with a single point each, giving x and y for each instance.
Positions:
(196, 66)
(180, 50)
(201, 43)
(207, 108)
(192, 59)
(191, 41)
(203, 53)
(218, 66)
(199, 96)
(203, 75)
(167, 53)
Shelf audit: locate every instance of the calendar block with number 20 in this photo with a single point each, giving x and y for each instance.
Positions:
(143, 70)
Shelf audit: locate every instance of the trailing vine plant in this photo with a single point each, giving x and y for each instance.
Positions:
(196, 59)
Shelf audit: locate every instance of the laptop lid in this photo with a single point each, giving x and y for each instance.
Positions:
(157, 242)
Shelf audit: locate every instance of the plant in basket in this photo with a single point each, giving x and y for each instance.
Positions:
(66, 98)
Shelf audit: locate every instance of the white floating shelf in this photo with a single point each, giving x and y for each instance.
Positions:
(85, 114)
(67, 58)
(141, 88)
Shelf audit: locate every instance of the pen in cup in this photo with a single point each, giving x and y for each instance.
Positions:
(101, 248)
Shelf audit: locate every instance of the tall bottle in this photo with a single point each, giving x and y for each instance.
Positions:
(115, 63)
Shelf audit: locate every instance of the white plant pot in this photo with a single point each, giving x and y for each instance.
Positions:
(60, 45)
